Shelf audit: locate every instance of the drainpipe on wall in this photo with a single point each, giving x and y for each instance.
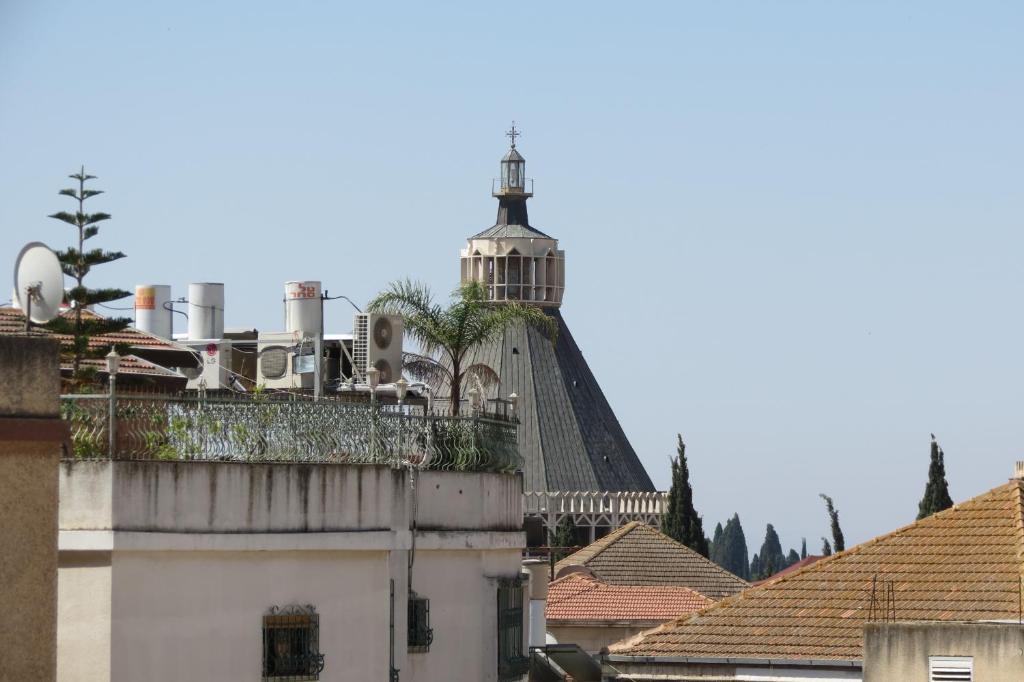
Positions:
(538, 570)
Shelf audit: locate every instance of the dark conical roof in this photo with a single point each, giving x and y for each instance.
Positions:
(569, 437)
(513, 155)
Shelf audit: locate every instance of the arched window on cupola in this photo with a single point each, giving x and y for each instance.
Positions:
(514, 275)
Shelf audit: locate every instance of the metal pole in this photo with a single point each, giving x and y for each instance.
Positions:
(318, 350)
(373, 425)
(112, 417)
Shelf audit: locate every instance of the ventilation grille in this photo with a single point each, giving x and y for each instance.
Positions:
(950, 669)
(360, 340)
(274, 362)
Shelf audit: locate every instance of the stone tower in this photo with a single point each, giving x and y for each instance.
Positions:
(570, 439)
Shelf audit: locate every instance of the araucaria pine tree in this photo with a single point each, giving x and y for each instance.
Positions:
(77, 262)
(936, 492)
(682, 523)
(833, 516)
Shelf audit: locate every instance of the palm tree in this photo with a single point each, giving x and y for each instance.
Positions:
(447, 335)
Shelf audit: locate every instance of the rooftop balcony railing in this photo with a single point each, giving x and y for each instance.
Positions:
(262, 429)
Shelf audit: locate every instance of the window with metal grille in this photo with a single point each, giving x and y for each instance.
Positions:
(420, 635)
(291, 644)
(512, 663)
(950, 669)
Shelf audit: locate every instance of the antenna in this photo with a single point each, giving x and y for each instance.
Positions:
(38, 283)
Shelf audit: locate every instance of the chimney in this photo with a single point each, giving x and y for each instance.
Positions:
(1018, 470)
(538, 629)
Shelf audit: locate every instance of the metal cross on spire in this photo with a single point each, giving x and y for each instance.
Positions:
(513, 134)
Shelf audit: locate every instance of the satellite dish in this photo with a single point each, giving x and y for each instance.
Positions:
(38, 282)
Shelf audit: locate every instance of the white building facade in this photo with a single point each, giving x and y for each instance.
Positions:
(222, 571)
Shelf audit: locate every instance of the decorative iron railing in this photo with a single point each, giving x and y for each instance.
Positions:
(265, 430)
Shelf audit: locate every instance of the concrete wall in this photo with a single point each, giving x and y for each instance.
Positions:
(900, 651)
(594, 637)
(232, 497)
(30, 438)
(167, 568)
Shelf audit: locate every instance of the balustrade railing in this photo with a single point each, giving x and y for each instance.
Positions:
(266, 430)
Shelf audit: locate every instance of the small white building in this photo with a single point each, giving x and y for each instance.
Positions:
(227, 570)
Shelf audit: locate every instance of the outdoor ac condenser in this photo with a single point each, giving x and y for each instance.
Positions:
(285, 360)
(215, 362)
(377, 343)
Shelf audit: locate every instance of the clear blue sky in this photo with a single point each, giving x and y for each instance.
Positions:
(793, 229)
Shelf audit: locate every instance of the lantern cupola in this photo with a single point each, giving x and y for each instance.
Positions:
(515, 261)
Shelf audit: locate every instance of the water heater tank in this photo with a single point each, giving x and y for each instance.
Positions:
(303, 309)
(151, 316)
(206, 310)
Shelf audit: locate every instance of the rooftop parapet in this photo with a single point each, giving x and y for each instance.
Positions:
(262, 429)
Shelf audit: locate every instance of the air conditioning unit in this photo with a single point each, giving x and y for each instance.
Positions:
(285, 360)
(377, 343)
(215, 364)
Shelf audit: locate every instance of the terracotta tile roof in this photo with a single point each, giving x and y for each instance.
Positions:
(579, 597)
(12, 321)
(130, 364)
(806, 561)
(639, 555)
(960, 564)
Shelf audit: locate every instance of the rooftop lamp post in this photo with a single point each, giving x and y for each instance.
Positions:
(401, 388)
(372, 379)
(113, 364)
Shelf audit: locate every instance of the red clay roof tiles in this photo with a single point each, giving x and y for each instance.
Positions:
(578, 597)
(639, 555)
(964, 563)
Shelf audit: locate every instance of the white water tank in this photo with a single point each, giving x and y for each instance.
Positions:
(206, 310)
(151, 315)
(303, 309)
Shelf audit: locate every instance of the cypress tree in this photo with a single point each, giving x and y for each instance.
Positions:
(730, 551)
(563, 540)
(936, 491)
(682, 523)
(77, 262)
(755, 568)
(833, 516)
(792, 558)
(826, 549)
(803, 548)
(772, 560)
(715, 549)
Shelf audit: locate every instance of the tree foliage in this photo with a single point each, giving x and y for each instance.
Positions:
(446, 336)
(77, 262)
(772, 559)
(730, 550)
(803, 548)
(936, 491)
(682, 523)
(563, 540)
(833, 516)
(826, 549)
